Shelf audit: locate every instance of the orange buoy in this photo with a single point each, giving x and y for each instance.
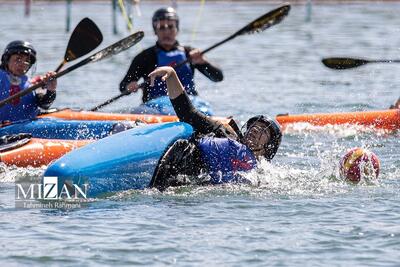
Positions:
(381, 119)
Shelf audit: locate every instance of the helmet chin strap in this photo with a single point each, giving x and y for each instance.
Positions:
(32, 68)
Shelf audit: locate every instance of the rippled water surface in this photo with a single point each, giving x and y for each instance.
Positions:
(301, 214)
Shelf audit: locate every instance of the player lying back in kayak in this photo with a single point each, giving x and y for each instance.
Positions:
(217, 153)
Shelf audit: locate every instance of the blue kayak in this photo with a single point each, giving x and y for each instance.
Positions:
(123, 161)
(51, 128)
(162, 106)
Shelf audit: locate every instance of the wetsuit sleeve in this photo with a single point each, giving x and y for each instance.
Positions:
(210, 71)
(141, 66)
(46, 100)
(201, 123)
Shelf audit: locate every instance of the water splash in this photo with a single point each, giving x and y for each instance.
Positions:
(268, 180)
(9, 174)
(343, 130)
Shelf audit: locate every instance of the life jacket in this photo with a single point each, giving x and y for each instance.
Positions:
(185, 73)
(224, 158)
(22, 108)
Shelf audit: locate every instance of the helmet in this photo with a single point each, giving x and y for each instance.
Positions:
(18, 47)
(271, 147)
(168, 13)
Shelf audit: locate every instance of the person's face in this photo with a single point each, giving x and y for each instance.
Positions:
(256, 137)
(166, 32)
(19, 64)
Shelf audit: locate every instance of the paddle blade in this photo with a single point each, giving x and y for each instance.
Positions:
(265, 21)
(85, 38)
(341, 63)
(118, 47)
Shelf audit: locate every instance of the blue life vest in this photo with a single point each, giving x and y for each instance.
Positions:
(225, 158)
(185, 73)
(23, 108)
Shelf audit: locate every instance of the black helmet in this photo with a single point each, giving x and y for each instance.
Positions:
(271, 147)
(168, 13)
(18, 47)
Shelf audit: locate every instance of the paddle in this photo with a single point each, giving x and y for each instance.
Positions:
(84, 39)
(341, 63)
(105, 53)
(260, 24)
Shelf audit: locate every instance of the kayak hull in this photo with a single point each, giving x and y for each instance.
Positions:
(162, 106)
(62, 129)
(69, 114)
(40, 152)
(381, 119)
(123, 161)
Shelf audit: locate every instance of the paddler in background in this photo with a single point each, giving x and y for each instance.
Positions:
(217, 153)
(17, 59)
(167, 52)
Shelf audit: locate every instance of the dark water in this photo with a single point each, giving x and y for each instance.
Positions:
(301, 214)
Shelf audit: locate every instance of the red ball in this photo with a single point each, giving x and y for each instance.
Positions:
(359, 163)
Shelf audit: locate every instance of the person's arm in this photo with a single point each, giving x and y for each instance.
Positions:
(184, 108)
(132, 76)
(140, 67)
(44, 100)
(201, 63)
(186, 112)
(168, 75)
